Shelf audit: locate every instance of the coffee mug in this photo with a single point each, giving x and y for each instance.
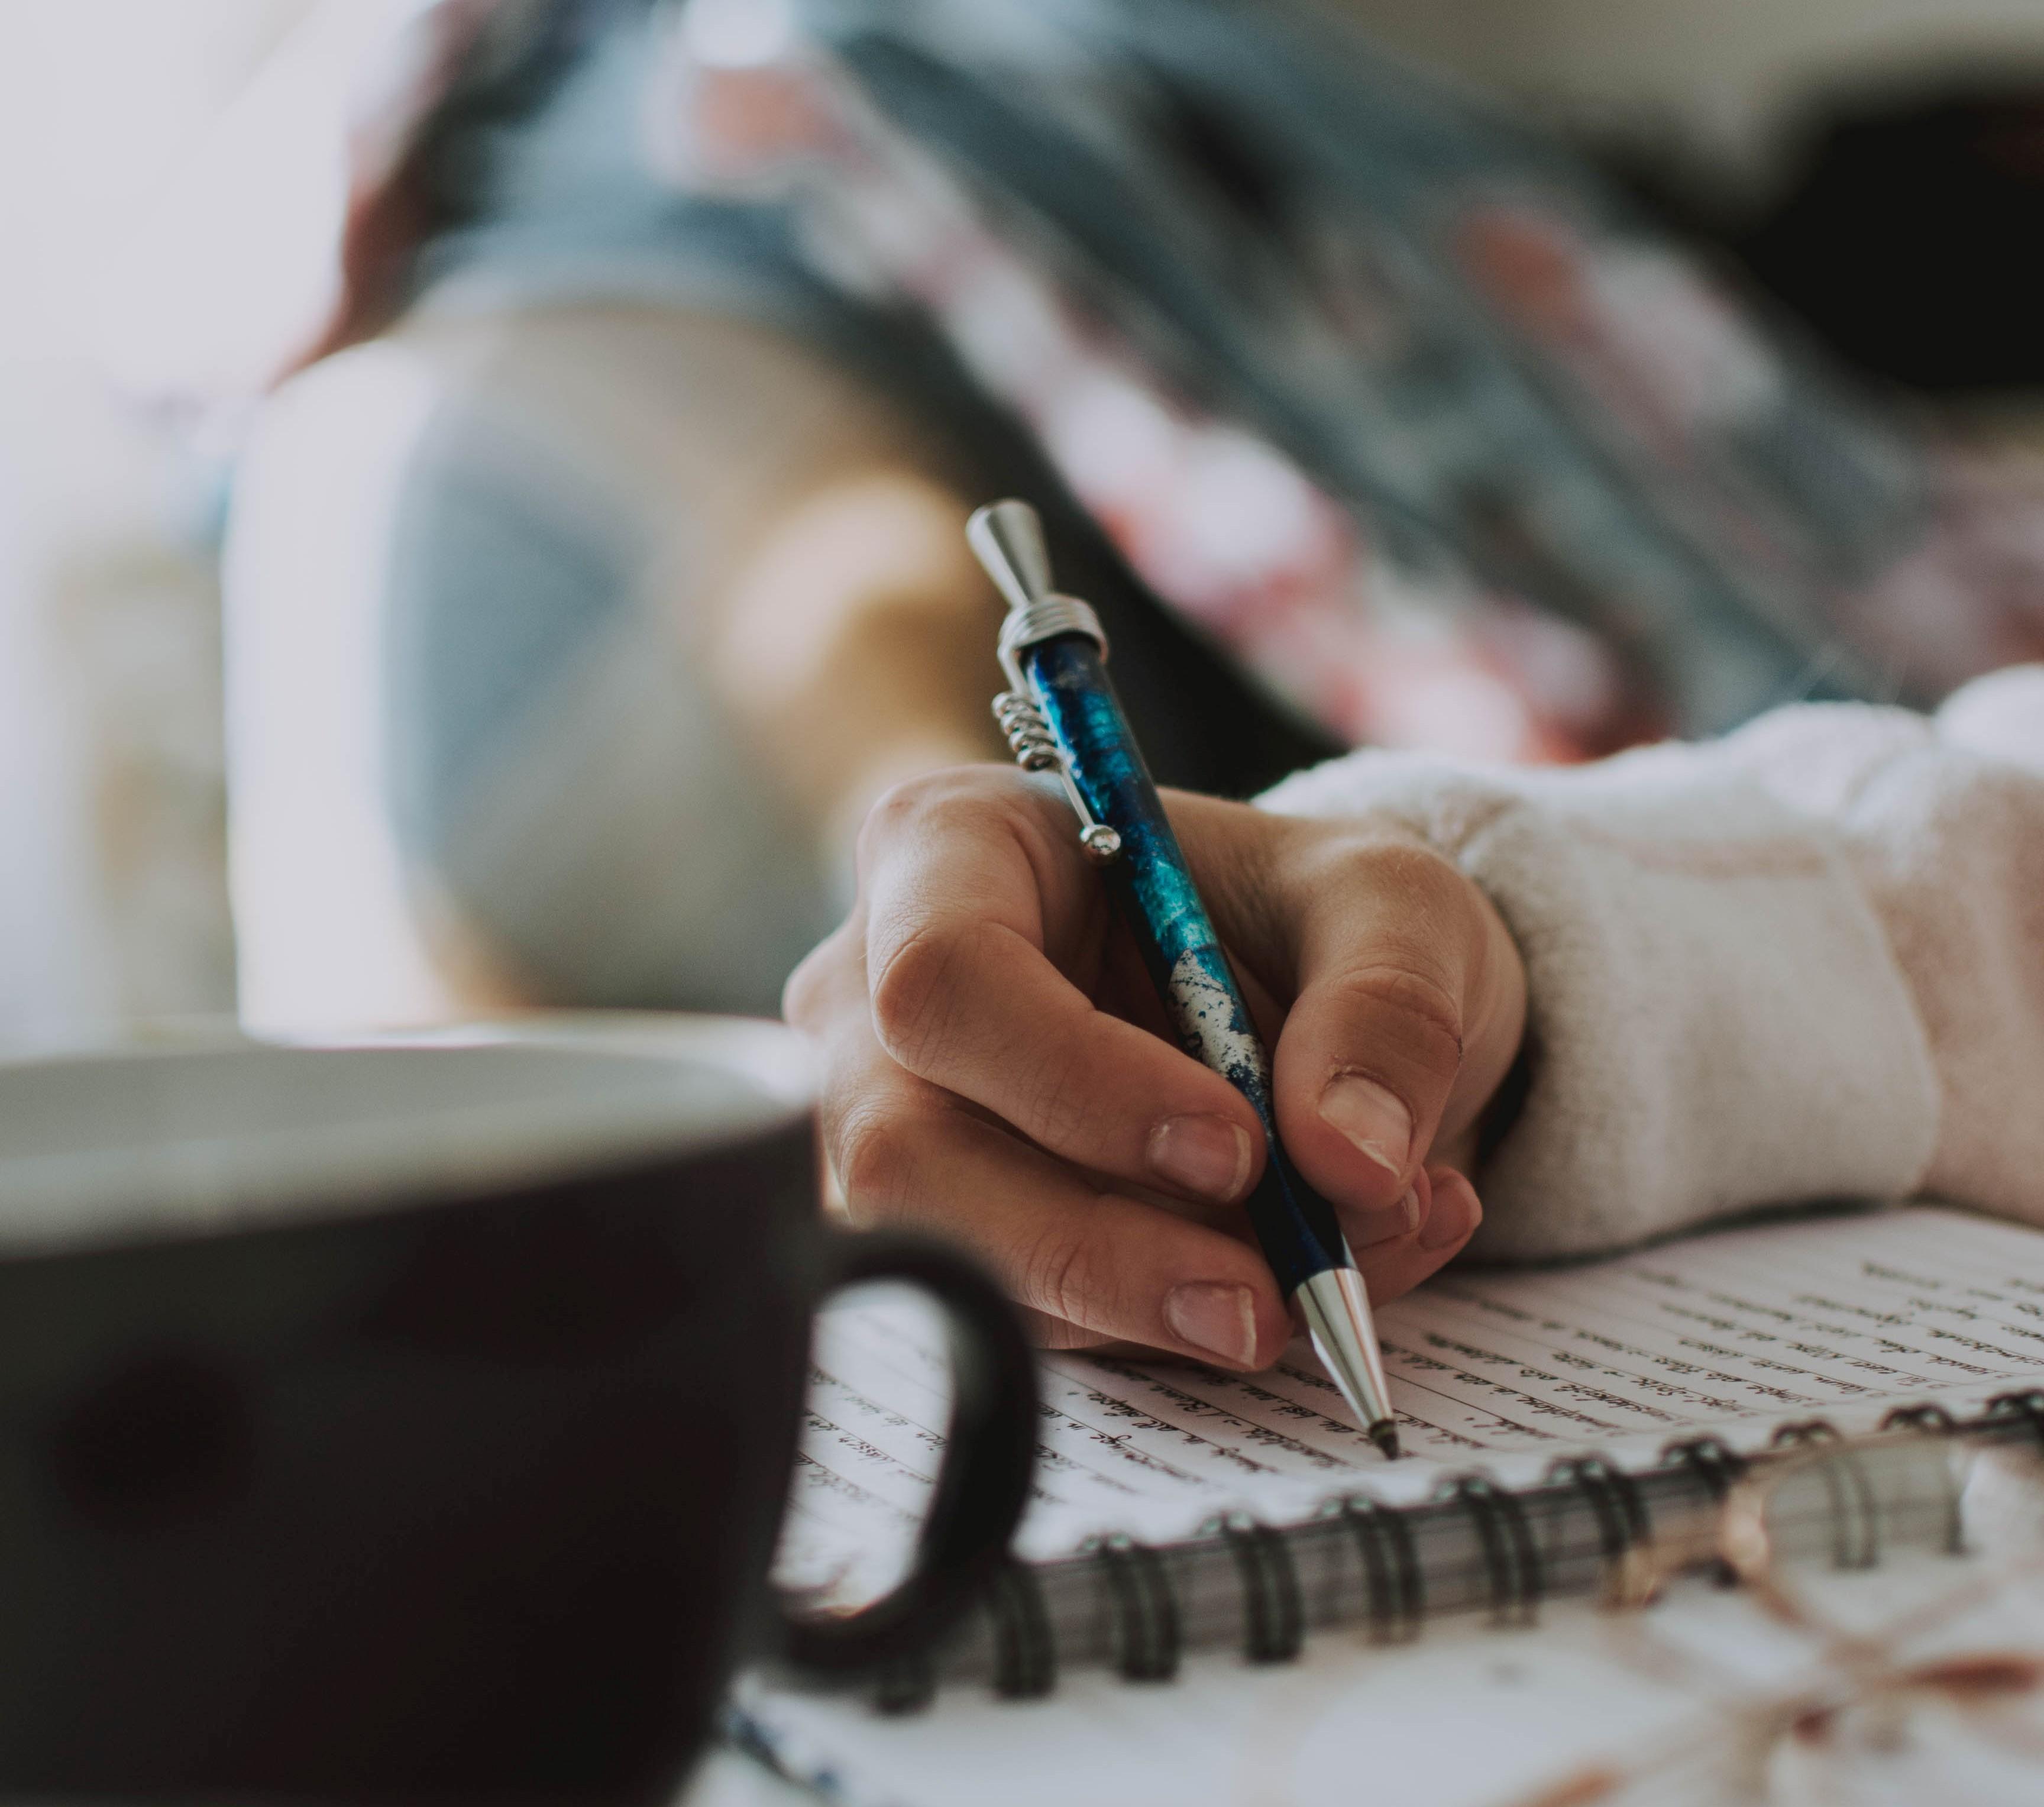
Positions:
(415, 1420)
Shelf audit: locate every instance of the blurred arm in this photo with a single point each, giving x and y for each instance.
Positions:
(737, 583)
(846, 625)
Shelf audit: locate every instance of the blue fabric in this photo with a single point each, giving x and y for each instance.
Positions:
(557, 772)
(537, 171)
(1219, 139)
(1461, 449)
(495, 587)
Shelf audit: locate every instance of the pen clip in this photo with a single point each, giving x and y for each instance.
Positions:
(1030, 739)
(1009, 540)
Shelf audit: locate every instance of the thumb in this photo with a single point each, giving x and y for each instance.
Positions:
(1371, 1054)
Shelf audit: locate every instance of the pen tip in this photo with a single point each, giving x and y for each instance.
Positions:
(1384, 1435)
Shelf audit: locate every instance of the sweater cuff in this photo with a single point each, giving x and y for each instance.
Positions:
(1715, 1020)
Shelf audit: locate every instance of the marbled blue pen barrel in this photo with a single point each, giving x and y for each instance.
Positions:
(1068, 681)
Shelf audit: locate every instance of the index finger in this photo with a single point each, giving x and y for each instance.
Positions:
(972, 880)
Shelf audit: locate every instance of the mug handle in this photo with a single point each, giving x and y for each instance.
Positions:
(990, 1457)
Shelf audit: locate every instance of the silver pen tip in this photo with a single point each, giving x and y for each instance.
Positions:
(1335, 1305)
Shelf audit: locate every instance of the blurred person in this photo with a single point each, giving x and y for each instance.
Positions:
(603, 562)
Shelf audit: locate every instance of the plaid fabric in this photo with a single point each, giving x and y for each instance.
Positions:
(1380, 393)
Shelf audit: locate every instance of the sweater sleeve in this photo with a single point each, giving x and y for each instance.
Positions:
(1803, 962)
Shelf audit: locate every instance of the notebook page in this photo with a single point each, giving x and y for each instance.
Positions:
(1732, 1332)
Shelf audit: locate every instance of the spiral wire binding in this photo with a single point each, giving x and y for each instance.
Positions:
(1025, 1650)
(2027, 1407)
(1803, 1433)
(1144, 1605)
(1613, 1496)
(1712, 1460)
(1274, 1617)
(1920, 1418)
(1390, 1565)
(1855, 1515)
(1934, 1421)
(1507, 1543)
(1141, 1596)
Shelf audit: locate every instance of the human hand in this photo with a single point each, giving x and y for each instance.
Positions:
(996, 1067)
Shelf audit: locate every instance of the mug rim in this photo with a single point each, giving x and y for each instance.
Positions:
(168, 1183)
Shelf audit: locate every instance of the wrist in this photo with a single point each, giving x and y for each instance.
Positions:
(1713, 1020)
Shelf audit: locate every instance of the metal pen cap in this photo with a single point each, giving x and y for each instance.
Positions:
(1007, 539)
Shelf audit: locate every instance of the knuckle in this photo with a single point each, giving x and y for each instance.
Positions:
(805, 999)
(1413, 1008)
(1023, 806)
(913, 995)
(902, 805)
(1058, 1105)
(1425, 883)
(913, 992)
(875, 1158)
(1052, 1274)
(915, 804)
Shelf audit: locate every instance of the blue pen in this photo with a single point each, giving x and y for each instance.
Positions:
(1061, 715)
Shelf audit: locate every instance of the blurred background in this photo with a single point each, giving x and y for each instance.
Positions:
(1734, 120)
(113, 888)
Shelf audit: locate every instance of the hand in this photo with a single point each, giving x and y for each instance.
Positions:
(996, 1067)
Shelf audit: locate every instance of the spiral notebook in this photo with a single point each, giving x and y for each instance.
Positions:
(1212, 1533)
(1549, 1414)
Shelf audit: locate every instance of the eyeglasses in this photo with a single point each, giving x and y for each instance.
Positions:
(1909, 1690)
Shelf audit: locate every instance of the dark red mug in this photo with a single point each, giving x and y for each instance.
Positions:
(413, 1422)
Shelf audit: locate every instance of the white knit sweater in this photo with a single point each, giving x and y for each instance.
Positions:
(1804, 961)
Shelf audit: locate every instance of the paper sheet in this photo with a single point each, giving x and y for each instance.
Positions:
(1841, 1317)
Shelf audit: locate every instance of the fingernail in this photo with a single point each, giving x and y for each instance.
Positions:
(1455, 1215)
(1216, 1318)
(1371, 1117)
(1209, 1155)
(1400, 1220)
